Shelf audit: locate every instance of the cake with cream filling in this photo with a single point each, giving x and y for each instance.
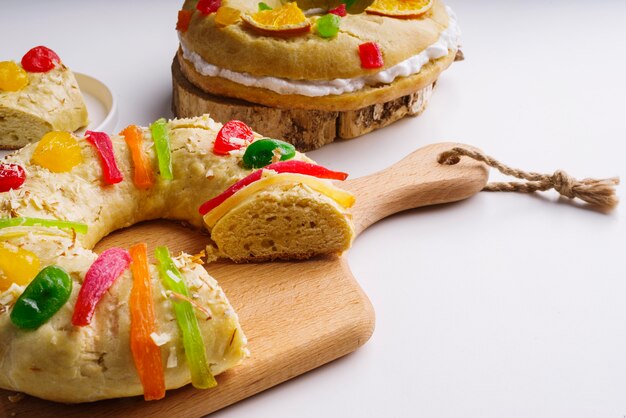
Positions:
(312, 75)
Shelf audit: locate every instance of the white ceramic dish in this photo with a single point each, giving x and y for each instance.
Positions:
(101, 105)
(100, 102)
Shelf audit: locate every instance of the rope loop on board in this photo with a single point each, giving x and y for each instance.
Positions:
(597, 192)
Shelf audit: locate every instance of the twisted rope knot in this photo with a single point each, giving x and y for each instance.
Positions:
(564, 183)
(599, 192)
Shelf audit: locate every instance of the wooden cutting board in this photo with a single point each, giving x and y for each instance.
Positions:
(297, 315)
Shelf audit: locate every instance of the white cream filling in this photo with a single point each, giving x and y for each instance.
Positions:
(448, 40)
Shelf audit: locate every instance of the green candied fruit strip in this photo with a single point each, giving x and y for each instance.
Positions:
(80, 228)
(328, 25)
(161, 138)
(201, 376)
(261, 153)
(42, 298)
(264, 6)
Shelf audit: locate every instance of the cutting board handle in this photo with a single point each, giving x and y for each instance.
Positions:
(417, 180)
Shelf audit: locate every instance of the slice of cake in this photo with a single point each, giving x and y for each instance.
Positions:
(36, 97)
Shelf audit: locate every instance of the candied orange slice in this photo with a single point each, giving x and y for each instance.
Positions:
(226, 16)
(404, 9)
(286, 20)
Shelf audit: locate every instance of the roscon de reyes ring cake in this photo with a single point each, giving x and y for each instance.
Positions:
(308, 71)
(77, 326)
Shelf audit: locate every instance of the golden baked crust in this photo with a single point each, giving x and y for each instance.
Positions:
(349, 101)
(310, 57)
(50, 101)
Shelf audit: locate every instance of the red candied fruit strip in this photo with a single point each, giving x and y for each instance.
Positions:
(370, 55)
(184, 17)
(206, 7)
(103, 272)
(233, 129)
(104, 146)
(209, 205)
(339, 10)
(291, 166)
(40, 60)
(302, 167)
(12, 176)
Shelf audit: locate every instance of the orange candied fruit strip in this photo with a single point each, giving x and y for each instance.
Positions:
(144, 175)
(184, 17)
(146, 353)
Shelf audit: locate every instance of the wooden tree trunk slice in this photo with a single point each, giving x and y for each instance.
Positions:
(306, 129)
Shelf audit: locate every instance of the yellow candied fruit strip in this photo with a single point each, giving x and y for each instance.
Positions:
(342, 197)
(17, 266)
(57, 151)
(12, 76)
(5, 236)
(226, 16)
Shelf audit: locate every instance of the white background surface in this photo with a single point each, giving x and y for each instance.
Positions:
(502, 305)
